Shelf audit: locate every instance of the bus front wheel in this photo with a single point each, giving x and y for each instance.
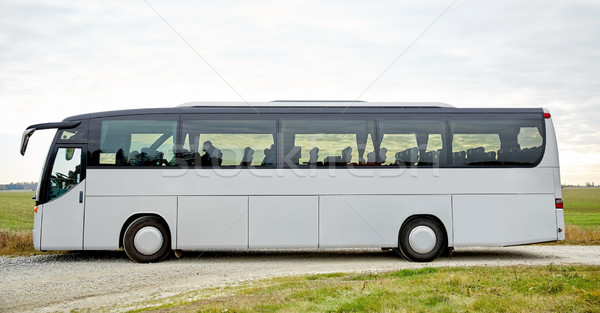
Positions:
(422, 239)
(147, 239)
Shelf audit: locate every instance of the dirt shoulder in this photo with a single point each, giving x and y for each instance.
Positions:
(110, 282)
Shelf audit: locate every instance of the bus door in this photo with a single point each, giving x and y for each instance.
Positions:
(63, 195)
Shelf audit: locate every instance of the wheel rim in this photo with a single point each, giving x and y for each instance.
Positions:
(148, 240)
(422, 239)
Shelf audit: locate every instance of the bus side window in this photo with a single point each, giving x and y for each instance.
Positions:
(66, 172)
(326, 141)
(131, 142)
(410, 142)
(228, 142)
(485, 142)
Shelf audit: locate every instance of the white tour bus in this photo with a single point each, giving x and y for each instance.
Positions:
(421, 178)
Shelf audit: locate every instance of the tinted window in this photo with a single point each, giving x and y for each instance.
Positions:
(228, 142)
(133, 142)
(326, 142)
(66, 172)
(407, 143)
(480, 142)
(74, 135)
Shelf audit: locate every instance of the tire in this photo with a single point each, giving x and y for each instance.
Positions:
(147, 239)
(422, 239)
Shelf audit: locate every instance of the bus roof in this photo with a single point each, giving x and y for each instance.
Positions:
(309, 107)
(321, 103)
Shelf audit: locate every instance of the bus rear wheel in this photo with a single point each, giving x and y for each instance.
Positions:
(147, 239)
(422, 239)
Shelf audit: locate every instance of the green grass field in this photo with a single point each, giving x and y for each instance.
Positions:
(16, 222)
(480, 289)
(582, 207)
(16, 210)
(582, 216)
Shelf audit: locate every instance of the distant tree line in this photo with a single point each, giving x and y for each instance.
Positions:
(19, 186)
(587, 184)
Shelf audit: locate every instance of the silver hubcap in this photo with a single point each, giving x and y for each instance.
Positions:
(148, 240)
(422, 239)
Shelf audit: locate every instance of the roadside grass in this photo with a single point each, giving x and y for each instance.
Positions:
(16, 243)
(576, 235)
(582, 199)
(497, 289)
(582, 207)
(16, 222)
(16, 210)
(582, 218)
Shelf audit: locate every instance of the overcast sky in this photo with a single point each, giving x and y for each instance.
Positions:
(61, 58)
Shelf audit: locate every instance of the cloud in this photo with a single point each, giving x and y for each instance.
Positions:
(61, 58)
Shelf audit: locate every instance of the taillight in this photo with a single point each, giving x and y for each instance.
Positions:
(559, 203)
(546, 115)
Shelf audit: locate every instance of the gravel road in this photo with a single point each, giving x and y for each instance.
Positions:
(108, 281)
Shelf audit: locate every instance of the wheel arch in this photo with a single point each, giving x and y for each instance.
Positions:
(430, 216)
(135, 216)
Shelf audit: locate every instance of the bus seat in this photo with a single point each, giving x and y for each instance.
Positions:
(314, 156)
(408, 157)
(185, 156)
(333, 159)
(442, 156)
(347, 155)
(530, 155)
(144, 157)
(248, 157)
(509, 155)
(459, 158)
(270, 156)
(134, 158)
(217, 156)
(212, 155)
(371, 158)
(489, 156)
(149, 157)
(293, 156)
(475, 155)
(430, 158)
(436, 156)
(426, 157)
(501, 153)
(382, 155)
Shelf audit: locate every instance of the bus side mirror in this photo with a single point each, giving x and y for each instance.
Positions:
(25, 139)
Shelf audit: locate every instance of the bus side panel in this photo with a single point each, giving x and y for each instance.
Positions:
(307, 182)
(560, 223)
(212, 222)
(550, 158)
(283, 222)
(105, 217)
(62, 222)
(503, 220)
(37, 227)
(375, 221)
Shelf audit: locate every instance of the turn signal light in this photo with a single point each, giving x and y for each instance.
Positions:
(35, 209)
(559, 203)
